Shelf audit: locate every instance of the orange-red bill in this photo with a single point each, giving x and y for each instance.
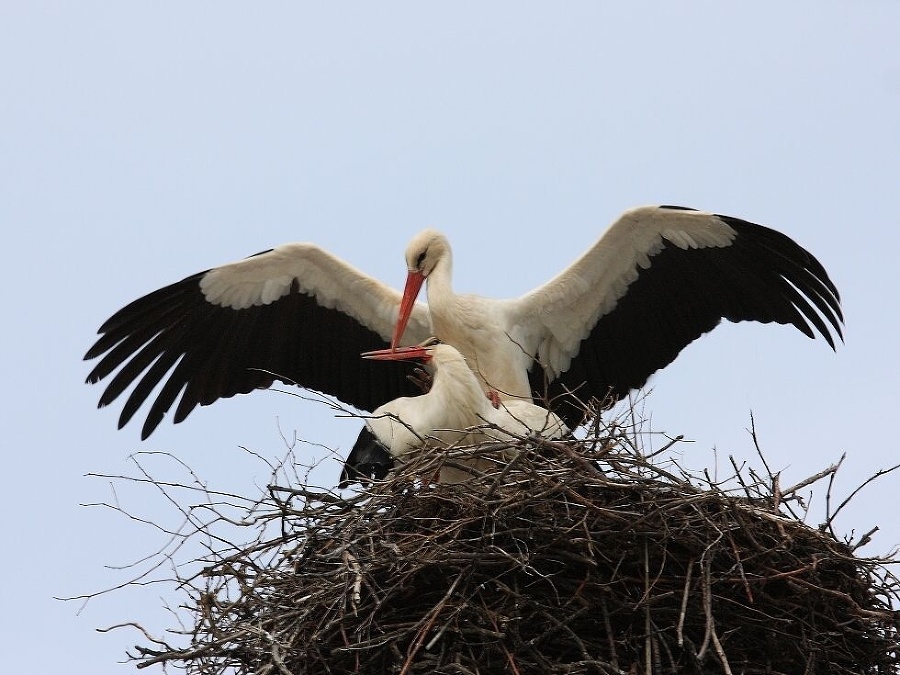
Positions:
(414, 281)
(398, 354)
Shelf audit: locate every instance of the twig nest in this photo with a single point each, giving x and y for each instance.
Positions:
(576, 557)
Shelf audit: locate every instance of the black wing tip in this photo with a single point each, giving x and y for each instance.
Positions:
(827, 335)
(150, 424)
(838, 331)
(830, 340)
(806, 264)
(673, 207)
(93, 352)
(142, 305)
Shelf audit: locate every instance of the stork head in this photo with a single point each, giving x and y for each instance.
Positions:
(423, 254)
(425, 250)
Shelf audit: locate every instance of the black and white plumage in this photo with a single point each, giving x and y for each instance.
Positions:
(294, 314)
(655, 281)
(455, 412)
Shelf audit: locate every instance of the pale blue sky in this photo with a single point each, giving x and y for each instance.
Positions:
(142, 143)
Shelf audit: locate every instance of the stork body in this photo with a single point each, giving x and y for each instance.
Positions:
(482, 329)
(454, 412)
(655, 281)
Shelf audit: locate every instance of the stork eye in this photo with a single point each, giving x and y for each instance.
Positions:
(420, 259)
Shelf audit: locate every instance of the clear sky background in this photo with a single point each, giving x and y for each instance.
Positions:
(140, 143)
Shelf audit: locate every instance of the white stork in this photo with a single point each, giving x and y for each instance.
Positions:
(655, 281)
(658, 279)
(455, 412)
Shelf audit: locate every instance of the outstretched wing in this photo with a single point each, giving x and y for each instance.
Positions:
(295, 314)
(658, 279)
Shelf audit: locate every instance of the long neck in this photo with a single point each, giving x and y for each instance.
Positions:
(457, 395)
(449, 320)
(440, 282)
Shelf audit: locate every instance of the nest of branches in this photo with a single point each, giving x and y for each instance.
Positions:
(582, 556)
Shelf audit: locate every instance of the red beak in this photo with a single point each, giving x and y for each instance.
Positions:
(398, 354)
(414, 282)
